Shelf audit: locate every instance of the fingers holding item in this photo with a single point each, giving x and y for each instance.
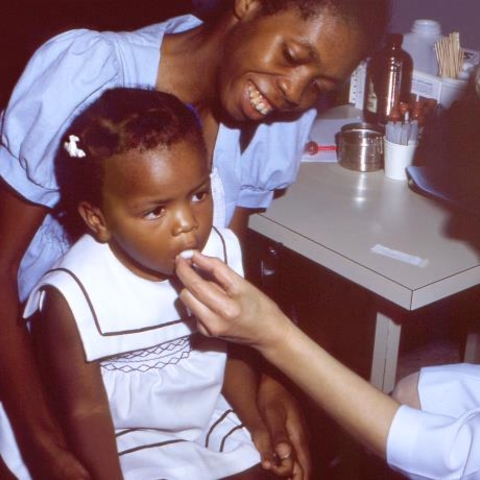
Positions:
(286, 425)
(297, 431)
(281, 464)
(299, 440)
(215, 309)
(283, 451)
(286, 467)
(208, 323)
(284, 462)
(208, 268)
(275, 420)
(227, 305)
(198, 289)
(207, 279)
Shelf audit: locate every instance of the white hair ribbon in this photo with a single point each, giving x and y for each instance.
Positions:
(72, 148)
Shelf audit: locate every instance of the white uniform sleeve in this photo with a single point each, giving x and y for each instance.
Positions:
(272, 159)
(424, 445)
(67, 71)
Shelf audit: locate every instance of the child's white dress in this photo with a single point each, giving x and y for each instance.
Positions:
(163, 380)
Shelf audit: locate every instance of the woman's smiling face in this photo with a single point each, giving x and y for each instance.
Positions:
(284, 63)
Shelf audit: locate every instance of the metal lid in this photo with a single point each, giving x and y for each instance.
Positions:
(361, 147)
(363, 126)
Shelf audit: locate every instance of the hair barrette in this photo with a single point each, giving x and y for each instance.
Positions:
(72, 148)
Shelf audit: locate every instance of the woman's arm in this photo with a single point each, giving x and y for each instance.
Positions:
(76, 388)
(41, 442)
(239, 222)
(229, 307)
(276, 405)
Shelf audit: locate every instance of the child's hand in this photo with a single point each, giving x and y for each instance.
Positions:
(279, 460)
(286, 427)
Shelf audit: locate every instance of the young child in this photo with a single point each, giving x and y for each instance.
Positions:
(137, 391)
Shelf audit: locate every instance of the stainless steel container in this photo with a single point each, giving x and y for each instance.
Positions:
(360, 147)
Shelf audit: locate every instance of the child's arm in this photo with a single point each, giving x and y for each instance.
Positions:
(76, 389)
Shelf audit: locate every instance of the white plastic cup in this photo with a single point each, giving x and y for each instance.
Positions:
(397, 158)
(452, 89)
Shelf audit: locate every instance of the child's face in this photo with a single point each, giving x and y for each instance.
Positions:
(155, 205)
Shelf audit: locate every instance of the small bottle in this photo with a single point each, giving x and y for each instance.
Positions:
(388, 81)
(420, 44)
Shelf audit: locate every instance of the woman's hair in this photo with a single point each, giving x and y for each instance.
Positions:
(120, 120)
(371, 17)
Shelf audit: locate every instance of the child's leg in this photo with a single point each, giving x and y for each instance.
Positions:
(406, 391)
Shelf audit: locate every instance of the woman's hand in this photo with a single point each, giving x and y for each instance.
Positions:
(286, 424)
(227, 305)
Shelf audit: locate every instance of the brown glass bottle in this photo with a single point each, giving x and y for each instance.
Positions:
(388, 81)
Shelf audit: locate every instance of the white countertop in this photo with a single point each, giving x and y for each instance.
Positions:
(335, 216)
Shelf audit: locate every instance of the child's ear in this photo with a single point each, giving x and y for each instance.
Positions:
(95, 221)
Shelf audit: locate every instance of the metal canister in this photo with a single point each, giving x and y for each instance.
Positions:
(360, 147)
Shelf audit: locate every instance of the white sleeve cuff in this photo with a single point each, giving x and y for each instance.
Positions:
(424, 445)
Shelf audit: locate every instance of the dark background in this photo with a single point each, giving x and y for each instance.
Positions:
(26, 24)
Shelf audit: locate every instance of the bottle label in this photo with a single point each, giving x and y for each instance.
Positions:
(371, 103)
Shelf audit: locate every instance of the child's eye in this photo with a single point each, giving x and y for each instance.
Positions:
(200, 196)
(155, 213)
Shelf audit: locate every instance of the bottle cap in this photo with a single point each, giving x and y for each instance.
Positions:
(427, 27)
(395, 39)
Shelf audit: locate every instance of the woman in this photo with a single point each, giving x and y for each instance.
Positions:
(254, 73)
(430, 429)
